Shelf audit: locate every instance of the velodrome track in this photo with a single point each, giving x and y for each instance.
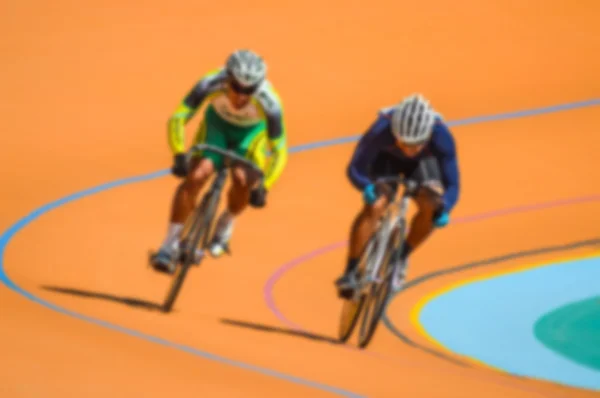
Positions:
(87, 92)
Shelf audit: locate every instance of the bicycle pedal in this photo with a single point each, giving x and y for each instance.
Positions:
(223, 248)
(169, 270)
(198, 256)
(150, 260)
(346, 294)
(226, 249)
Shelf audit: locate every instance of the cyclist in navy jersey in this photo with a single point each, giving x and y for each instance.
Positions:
(410, 139)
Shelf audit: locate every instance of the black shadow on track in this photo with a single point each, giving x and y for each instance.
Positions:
(129, 301)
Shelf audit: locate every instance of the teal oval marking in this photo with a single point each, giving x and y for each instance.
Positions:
(573, 331)
(479, 320)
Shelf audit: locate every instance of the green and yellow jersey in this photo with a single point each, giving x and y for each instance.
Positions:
(264, 107)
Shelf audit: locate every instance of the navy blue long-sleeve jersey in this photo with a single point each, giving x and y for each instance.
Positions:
(379, 138)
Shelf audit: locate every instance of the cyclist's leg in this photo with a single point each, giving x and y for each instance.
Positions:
(365, 223)
(246, 142)
(202, 166)
(426, 171)
(252, 146)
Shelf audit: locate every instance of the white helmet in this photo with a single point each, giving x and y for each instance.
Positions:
(413, 120)
(246, 67)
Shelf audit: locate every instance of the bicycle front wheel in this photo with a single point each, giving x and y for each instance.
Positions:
(352, 307)
(379, 295)
(200, 227)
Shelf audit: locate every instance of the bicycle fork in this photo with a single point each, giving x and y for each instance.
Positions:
(395, 224)
(205, 206)
(400, 239)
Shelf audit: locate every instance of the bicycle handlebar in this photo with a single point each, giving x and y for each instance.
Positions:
(229, 155)
(410, 185)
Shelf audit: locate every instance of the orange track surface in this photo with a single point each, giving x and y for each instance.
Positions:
(87, 91)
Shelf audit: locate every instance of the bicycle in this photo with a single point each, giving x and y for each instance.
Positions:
(376, 268)
(197, 229)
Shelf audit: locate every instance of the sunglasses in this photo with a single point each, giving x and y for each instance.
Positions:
(239, 89)
(413, 145)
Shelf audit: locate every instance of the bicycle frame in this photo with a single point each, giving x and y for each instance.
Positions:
(381, 239)
(199, 224)
(218, 183)
(214, 190)
(382, 251)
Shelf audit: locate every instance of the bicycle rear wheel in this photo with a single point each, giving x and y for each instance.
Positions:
(200, 227)
(351, 308)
